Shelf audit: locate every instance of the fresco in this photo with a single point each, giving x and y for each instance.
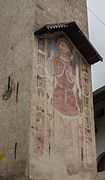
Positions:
(38, 142)
(87, 139)
(62, 65)
(62, 125)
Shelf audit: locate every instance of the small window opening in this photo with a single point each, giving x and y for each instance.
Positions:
(99, 113)
(101, 164)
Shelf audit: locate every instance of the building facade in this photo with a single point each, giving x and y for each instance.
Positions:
(99, 115)
(45, 132)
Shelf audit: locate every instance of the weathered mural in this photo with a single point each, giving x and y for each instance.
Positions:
(62, 65)
(88, 132)
(63, 127)
(38, 146)
(85, 122)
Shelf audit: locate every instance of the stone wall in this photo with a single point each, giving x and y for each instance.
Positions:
(18, 56)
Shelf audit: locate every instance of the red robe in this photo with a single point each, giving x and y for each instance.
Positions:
(64, 99)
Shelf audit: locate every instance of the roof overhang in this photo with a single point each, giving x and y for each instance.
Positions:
(77, 37)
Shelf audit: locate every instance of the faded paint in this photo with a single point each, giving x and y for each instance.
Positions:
(63, 127)
(40, 149)
(2, 155)
(63, 68)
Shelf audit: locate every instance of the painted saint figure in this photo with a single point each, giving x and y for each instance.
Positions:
(62, 66)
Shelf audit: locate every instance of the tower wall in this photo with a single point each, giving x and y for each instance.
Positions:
(18, 60)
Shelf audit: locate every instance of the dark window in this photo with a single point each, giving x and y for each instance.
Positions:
(101, 164)
(99, 113)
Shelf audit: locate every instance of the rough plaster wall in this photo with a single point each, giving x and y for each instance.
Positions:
(48, 11)
(16, 54)
(18, 51)
(101, 175)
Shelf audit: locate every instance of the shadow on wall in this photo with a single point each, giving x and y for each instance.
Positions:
(13, 177)
(7, 178)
